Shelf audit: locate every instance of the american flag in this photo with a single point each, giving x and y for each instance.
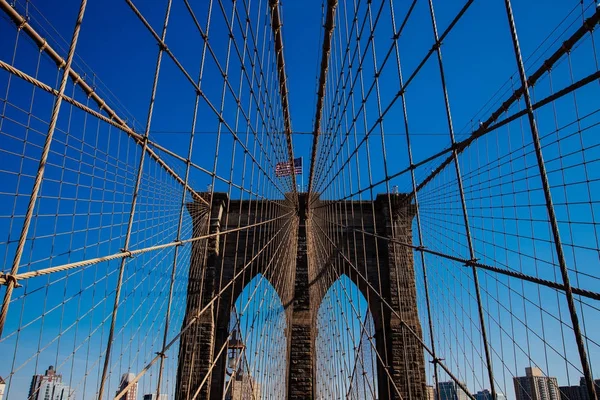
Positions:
(285, 168)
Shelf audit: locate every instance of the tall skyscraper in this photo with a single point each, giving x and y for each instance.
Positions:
(132, 391)
(451, 391)
(536, 386)
(49, 387)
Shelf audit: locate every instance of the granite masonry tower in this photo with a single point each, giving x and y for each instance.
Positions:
(387, 269)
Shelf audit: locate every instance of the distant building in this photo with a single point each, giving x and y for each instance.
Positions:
(485, 394)
(49, 387)
(132, 391)
(579, 392)
(152, 396)
(451, 391)
(429, 393)
(2, 387)
(536, 386)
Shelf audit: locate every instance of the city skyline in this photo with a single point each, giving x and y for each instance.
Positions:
(533, 386)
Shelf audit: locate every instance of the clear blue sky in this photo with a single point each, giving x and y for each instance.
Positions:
(501, 183)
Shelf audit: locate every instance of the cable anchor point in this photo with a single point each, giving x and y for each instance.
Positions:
(8, 278)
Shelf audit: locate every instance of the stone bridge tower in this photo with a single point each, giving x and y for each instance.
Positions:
(377, 266)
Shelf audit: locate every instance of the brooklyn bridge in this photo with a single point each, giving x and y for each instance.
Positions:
(427, 228)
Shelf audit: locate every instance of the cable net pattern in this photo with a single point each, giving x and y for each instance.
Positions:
(489, 147)
(103, 214)
(447, 239)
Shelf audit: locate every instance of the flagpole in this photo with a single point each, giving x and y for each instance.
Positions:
(302, 173)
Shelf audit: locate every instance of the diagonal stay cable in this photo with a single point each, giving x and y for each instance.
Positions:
(325, 55)
(11, 283)
(198, 90)
(398, 95)
(380, 359)
(276, 26)
(113, 118)
(486, 127)
(406, 326)
(593, 77)
(136, 136)
(4, 278)
(109, 120)
(472, 263)
(202, 311)
(260, 80)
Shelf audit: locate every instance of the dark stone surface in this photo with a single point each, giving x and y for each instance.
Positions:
(377, 266)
